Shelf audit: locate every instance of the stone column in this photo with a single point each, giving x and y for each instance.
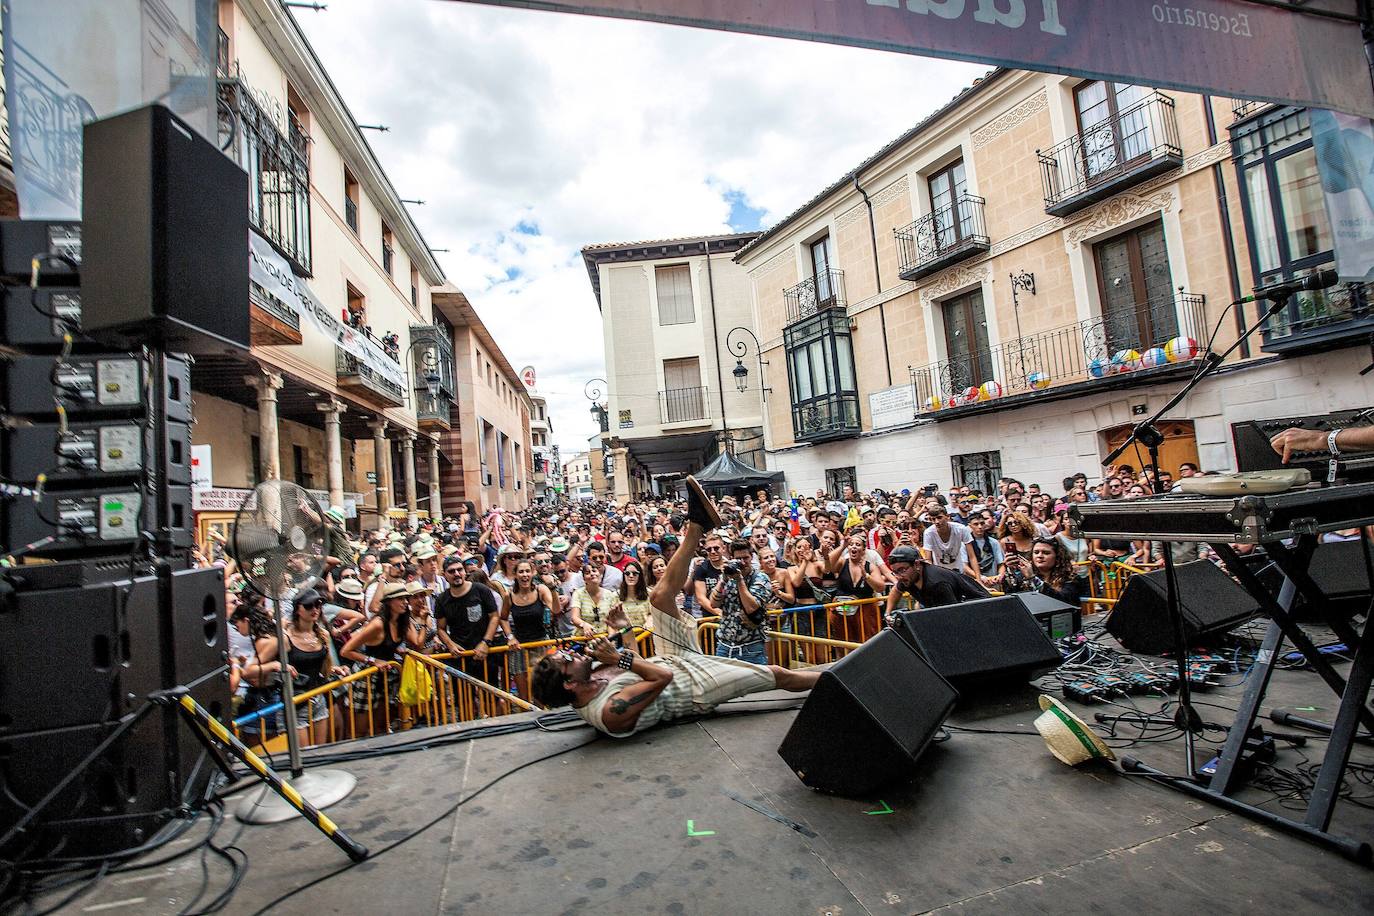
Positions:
(623, 484)
(436, 508)
(381, 457)
(333, 448)
(408, 466)
(266, 383)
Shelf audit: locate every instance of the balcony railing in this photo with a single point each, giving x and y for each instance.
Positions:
(271, 323)
(356, 374)
(351, 214)
(823, 291)
(278, 171)
(1138, 143)
(681, 405)
(433, 412)
(833, 416)
(387, 254)
(942, 237)
(1154, 335)
(1244, 108)
(1322, 319)
(221, 54)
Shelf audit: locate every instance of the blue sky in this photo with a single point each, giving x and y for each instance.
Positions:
(532, 134)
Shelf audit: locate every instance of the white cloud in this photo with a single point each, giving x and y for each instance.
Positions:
(597, 130)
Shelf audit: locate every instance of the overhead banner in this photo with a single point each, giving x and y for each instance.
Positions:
(1220, 47)
(270, 271)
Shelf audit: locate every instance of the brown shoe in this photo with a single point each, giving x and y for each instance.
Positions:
(700, 509)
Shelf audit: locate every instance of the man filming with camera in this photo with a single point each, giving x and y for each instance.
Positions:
(741, 597)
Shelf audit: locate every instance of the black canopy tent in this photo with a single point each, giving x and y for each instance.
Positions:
(728, 476)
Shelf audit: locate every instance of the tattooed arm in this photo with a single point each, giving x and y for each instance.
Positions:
(622, 710)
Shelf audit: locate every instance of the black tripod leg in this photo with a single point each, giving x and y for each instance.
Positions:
(1295, 565)
(1227, 777)
(1290, 626)
(1327, 788)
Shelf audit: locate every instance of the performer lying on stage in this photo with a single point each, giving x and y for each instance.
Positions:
(620, 693)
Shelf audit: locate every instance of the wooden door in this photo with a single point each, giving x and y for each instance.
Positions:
(1180, 445)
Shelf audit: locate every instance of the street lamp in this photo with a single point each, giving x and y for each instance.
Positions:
(741, 349)
(593, 391)
(430, 364)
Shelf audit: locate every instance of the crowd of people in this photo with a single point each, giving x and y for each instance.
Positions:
(821, 565)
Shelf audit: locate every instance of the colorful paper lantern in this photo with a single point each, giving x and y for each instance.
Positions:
(1038, 381)
(1181, 349)
(1153, 357)
(934, 402)
(1099, 367)
(989, 390)
(969, 396)
(953, 401)
(1126, 360)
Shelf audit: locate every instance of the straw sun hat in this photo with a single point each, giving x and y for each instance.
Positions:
(1068, 737)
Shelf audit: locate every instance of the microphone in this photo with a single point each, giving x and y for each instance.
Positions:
(1278, 292)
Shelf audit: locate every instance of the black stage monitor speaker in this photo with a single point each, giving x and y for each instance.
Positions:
(1338, 570)
(981, 642)
(1212, 605)
(867, 719)
(165, 235)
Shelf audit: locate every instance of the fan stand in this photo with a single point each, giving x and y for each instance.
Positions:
(321, 788)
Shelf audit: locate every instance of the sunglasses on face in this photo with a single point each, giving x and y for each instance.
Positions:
(630, 572)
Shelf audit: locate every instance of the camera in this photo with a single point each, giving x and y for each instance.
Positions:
(732, 568)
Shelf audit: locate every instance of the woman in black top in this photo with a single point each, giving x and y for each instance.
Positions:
(1052, 571)
(856, 578)
(376, 644)
(529, 609)
(307, 661)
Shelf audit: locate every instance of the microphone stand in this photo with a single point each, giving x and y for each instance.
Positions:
(1147, 433)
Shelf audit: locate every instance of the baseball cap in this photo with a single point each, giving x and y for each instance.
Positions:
(904, 554)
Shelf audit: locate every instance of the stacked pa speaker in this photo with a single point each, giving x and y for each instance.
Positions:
(100, 433)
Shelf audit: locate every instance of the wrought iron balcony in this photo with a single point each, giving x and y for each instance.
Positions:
(275, 157)
(433, 350)
(357, 376)
(831, 416)
(388, 255)
(433, 412)
(351, 214)
(1322, 320)
(1109, 349)
(942, 237)
(821, 292)
(44, 137)
(1138, 143)
(683, 405)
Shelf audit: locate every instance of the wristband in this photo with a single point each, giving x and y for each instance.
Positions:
(1331, 443)
(626, 660)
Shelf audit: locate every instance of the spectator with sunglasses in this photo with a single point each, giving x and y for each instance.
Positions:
(392, 570)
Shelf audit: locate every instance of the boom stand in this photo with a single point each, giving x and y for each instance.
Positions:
(1147, 433)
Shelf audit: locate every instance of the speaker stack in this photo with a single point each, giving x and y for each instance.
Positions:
(97, 439)
(987, 643)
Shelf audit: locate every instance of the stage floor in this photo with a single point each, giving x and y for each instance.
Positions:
(989, 823)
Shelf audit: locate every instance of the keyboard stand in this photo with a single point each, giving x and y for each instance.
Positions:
(1294, 563)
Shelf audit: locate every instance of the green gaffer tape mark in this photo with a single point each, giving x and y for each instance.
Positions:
(693, 831)
(887, 809)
